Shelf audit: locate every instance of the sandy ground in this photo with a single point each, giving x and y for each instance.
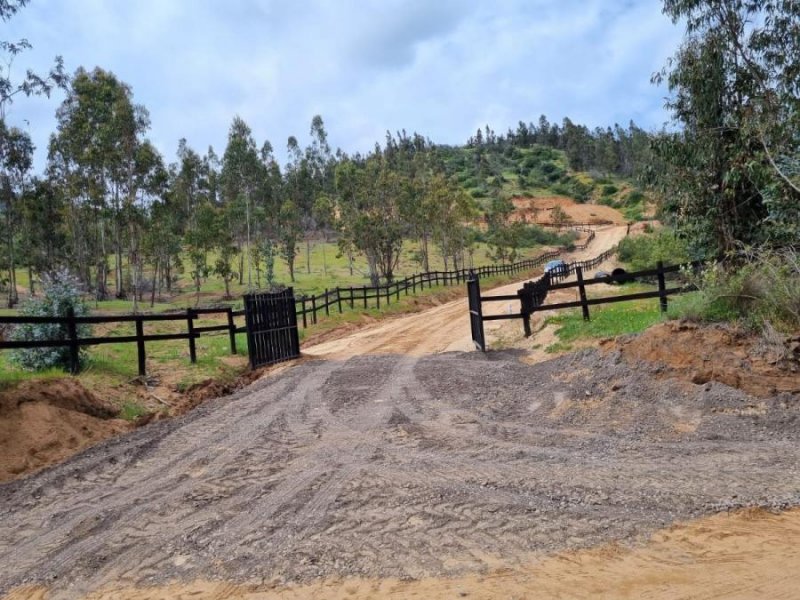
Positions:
(540, 210)
(380, 467)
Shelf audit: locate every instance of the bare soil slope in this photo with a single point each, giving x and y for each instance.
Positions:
(42, 423)
(540, 210)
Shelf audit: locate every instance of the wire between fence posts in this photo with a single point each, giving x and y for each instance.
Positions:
(582, 292)
(72, 333)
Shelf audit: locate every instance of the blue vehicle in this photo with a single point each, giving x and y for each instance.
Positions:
(557, 267)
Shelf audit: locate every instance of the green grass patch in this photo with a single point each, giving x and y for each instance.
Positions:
(611, 320)
(131, 411)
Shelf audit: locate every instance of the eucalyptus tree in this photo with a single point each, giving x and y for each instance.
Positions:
(370, 208)
(17, 148)
(242, 172)
(735, 92)
(16, 156)
(94, 152)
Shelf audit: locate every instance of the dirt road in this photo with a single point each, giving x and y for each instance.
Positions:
(353, 475)
(446, 327)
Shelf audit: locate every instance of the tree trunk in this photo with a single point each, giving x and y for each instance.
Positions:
(155, 283)
(308, 255)
(425, 263)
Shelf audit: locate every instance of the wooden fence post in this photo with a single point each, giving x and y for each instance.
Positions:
(339, 298)
(74, 349)
(352, 299)
(662, 287)
(314, 309)
(327, 304)
(582, 292)
(305, 319)
(364, 289)
(140, 345)
(377, 296)
(231, 330)
(192, 345)
(414, 283)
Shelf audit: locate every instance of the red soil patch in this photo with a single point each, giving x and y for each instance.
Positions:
(719, 353)
(540, 210)
(44, 422)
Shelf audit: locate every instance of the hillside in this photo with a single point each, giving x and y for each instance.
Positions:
(538, 172)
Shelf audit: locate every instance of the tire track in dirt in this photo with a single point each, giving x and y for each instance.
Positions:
(407, 466)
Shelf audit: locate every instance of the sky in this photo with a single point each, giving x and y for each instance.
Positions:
(442, 68)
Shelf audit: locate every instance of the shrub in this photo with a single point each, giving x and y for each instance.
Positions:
(610, 189)
(760, 288)
(643, 252)
(60, 292)
(634, 197)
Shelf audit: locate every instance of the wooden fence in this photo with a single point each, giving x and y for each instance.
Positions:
(533, 294)
(70, 324)
(307, 308)
(364, 297)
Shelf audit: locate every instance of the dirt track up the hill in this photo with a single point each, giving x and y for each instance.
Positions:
(398, 466)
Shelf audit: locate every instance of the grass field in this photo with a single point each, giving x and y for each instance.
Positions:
(327, 270)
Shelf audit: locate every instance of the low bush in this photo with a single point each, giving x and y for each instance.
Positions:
(643, 252)
(759, 288)
(610, 189)
(60, 293)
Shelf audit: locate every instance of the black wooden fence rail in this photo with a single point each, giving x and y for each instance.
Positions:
(73, 341)
(307, 309)
(364, 297)
(533, 294)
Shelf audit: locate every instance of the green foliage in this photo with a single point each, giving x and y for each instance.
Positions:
(608, 320)
(643, 252)
(61, 292)
(762, 286)
(610, 190)
(734, 93)
(131, 411)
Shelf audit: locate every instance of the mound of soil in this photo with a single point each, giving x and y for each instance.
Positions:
(540, 210)
(44, 422)
(721, 353)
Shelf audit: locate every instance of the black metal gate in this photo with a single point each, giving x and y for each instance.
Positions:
(476, 312)
(272, 334)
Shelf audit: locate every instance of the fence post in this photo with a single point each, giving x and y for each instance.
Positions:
(388, 292)
(364, 289)
(327, 304)
(305, 319)
(397, 284)
(524, 306)
(140, 345)
(314, 309)
(582, 292)
(339, 298)
(190, 325)
(414, 283)
(377, 295)
(662, 287)
(232, 330)
(72, 332)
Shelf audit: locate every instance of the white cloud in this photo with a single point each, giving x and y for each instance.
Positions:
(440, 68)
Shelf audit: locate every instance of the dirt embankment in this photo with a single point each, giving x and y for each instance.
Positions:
(721, 353)
(44, 422)
(540, 210)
